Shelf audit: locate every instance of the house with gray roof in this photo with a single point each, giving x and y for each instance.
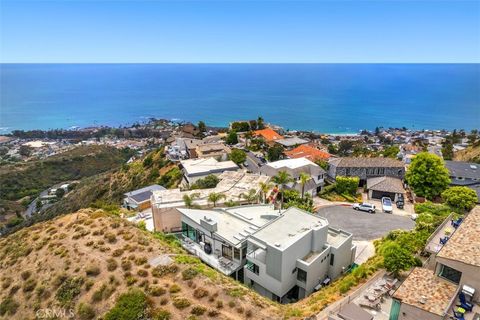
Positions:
(379, 187)
(465, 174)
(365, 168)
(140, 199)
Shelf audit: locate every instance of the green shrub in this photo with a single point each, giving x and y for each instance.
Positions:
(161, 314)
(8, 306)
(103, 293)
(200, 293)
(69, 289)
(213, 313)
(198, 310)
(189, 274)
(117, 252)
(181, 303)
(161, 270)
(142, 273)
(130, 305)
(347, 185)
(92, 271)
(111, 264)
(126, 265)
(25, 274)
(85, 312)
(156, 291)
(219, 304)
(29, 285)
(175, 288)
(6, 282)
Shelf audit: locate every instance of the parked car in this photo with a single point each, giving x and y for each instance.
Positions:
(368, 207)
(387, 205)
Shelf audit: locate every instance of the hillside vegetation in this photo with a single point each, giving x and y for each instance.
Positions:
(470, 154)
(98, 265)
(30, 178)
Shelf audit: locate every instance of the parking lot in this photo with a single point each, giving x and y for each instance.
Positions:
(363, 225)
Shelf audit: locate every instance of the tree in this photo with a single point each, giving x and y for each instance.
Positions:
(345, 147)
(39, 205)
(322, 164)
(264, 188)
(462, 198)
(232, 137)
(25, 151)
(303, 180)
(60, 193)
(282, 178)
(238, 156)
(346, 185)
(214, 197)
(251, 196)
(391, 152)
(248, 136)
(202, 127)
(427, 175)
(274, 153)
(447, 150)
(260, 123)
(208, 182)
(188, 199)
(397, 258)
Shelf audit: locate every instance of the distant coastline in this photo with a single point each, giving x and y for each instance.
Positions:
(326, 98)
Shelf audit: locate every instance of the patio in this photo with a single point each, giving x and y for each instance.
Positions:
(222, 264)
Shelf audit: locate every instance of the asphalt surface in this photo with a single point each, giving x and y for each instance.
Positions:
(253, 163)
(364, 225)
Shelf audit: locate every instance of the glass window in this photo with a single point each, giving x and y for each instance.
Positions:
(450, 274)
(244, 252)
(236, 253)
(227, 251)
(332, 259)
(301, 275)
(253, 267)
(189, 232)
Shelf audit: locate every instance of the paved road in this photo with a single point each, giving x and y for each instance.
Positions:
(363, 225)
(253, 163)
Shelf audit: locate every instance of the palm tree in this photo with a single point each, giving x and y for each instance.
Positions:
(214, 197)
(251, 196)
(265, 187)
(188, 199)
(303, 180)
(282, 178)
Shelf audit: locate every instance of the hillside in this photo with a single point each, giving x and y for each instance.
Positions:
(85, 261)
(106, 190)
(470, 154)
(30, 178)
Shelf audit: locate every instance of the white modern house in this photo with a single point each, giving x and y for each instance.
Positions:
(219, 236)
(294, 167)
(294, 255)
(284, 256)
(194, 169)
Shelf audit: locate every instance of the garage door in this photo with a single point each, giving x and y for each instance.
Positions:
(381, 194)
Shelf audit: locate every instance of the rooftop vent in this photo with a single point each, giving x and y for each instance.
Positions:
(291, 234)
(474, 167)
(422, 300)
(277, 245)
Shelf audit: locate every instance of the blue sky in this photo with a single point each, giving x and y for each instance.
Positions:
(240, 31)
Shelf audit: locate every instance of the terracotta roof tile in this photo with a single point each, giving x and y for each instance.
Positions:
(306, 151)
(268, 134)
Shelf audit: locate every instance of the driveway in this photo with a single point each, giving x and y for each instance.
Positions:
(253, 162)
(363, 225)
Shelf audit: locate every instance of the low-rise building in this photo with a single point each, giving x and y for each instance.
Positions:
(218, 237)
(365, 168)
(268, 134)
(294, 167)
(306, 151)
(291, 142)
(194, 169)
(465, 174)
(379, 187)
(232, 185)
(140, 199)
(434, 294)
(293, 255)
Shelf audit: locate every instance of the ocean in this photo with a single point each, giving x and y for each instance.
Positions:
(331, 98)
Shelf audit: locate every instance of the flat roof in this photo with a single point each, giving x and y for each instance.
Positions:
(232, 226)
(464, 243)
(290, 142)
(363, 162)
(232, 184)
(292, 225)
(206, 166)
(426, 291)
(335, 237)
(143, 194)
(291, 163)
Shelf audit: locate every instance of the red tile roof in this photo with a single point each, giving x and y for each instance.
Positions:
(309, 152)
(268, 134)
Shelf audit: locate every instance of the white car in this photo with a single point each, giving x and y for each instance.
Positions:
(364, 207)
(387, 205)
